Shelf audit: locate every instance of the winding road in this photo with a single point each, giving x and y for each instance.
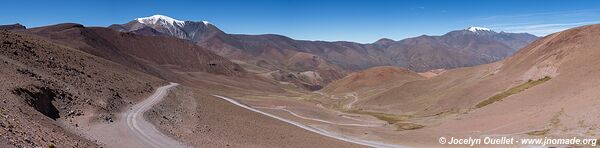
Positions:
(282, 108)
(315, 130)
(144, 132)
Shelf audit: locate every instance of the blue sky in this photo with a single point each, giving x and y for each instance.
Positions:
(349, 20)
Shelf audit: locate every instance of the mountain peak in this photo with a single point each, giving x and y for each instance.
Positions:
(475, 29)
(384, 41)
(155, 19)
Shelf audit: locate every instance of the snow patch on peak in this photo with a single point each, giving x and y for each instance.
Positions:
(160, 19)
(475, 29)
(205, 22)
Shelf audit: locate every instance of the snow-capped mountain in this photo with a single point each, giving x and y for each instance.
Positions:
(475, 29)
(160, 19)
(164, 25)
(479, 31)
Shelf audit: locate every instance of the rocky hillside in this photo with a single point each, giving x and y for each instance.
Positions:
(156, 55)
(44, 86)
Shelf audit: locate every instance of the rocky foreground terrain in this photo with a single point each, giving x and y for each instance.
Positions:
(43, 85)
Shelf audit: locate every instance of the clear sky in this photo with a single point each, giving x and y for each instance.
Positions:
(349, 20)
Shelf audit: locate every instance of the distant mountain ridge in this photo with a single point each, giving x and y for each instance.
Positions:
(333, 60)
(12, 27)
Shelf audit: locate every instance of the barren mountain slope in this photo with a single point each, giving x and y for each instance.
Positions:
(166, 57)
(548, 88)
(151, 54)
(383, 76)
(472, 85)
(46, 85)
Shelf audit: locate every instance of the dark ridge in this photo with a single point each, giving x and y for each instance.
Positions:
(16, 26)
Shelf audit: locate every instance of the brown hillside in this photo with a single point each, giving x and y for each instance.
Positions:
(372, 77)
(43, 86)
(542, 58)
(170, 58)
(138, 51)
(550, 86)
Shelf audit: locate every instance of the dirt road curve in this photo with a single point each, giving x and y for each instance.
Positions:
(312, 129)
(282, 108)
(143, 131)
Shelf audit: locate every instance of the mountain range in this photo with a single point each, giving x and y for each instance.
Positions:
(313, 64)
